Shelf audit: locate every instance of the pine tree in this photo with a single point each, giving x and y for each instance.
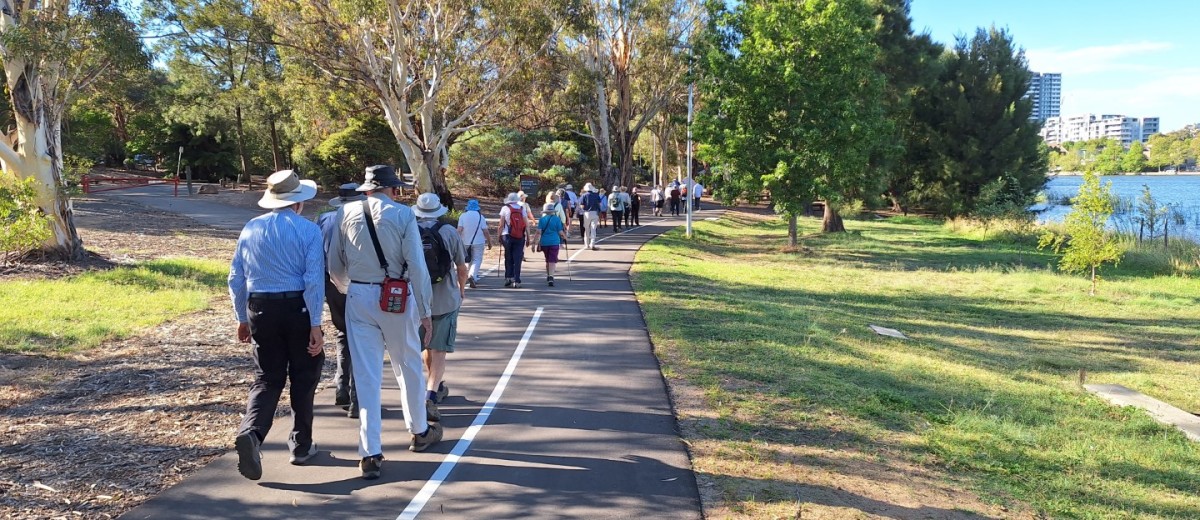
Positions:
(979, 126)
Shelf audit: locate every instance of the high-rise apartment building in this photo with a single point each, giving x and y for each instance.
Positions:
(1045, 91)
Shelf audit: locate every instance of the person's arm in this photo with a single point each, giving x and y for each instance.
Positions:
(238, 292)
(314, 287)
(335, 258)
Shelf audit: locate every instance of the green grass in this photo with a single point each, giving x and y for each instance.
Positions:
(59, 316)
(984, 392)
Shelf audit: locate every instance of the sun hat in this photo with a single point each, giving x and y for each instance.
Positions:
(429, 206)
(380, 176)
(568, 187)
(512, 198)
(522, 196)
(346, 193)
(549, 208)
(285, 188)
(616, 188)
(472, 205)
(589, 187)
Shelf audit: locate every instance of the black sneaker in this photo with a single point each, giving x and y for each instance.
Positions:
(341, 399)
(471, 283)
(249, 455)
(431, 411)
(371, 467)
(431, 436)
(442, 391)
(550, 281)
(352, 411)
(300, 460)
(508, 282)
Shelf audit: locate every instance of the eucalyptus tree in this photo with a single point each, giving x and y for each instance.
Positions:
(51, 50)
(630, 59)
(438, 68)
(792, 102)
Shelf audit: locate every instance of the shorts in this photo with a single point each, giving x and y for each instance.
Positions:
(658, 204)
(445, 328)
(551, 253)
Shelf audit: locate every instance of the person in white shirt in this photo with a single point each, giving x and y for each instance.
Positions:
(656, 199)
(473, 229)
(697, 192)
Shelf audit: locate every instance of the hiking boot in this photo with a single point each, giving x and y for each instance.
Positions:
(432, 413)
(432, 436)
(249, 455)
(300, 460)
(342, 399)
(471, 283)
(550, 281)
(594, 248)
(352, 411)
(508, 282)
(442, 391)
(371, 467)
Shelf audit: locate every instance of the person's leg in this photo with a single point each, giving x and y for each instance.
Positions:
(343, 374)
(476, 261)
(304, 373)
(403, 343)
(509, 254)
(269, 351)
(518, 247)
(366, 343)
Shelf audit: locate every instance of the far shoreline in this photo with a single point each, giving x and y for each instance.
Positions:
(1139, 174)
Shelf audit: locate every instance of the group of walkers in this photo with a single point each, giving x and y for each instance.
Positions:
(675, 194)
(394, 278)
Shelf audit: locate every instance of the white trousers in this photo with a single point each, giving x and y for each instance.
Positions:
(591, 221)
(476, 261)
(371, 331)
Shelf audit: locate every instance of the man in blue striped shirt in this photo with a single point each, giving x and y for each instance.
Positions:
(277, 283)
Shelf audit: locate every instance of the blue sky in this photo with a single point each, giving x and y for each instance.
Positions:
(1139, 58)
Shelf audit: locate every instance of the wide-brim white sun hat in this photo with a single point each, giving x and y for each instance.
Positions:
(589, 187)
(429, 206)
(285, 188)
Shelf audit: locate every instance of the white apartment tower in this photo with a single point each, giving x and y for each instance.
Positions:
(1085, 127)
(1045, 91)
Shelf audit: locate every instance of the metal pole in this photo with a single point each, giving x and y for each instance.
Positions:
(688, 179)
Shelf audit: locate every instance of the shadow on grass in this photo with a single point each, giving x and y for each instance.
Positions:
(812, 349)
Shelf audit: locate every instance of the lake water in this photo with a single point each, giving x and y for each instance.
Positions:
(1180, 191)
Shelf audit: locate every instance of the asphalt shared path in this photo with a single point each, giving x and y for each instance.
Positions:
(557, 409)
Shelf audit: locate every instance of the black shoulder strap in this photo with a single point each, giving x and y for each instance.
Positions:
(374, 236)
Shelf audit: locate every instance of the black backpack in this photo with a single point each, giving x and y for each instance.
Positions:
(437, 255)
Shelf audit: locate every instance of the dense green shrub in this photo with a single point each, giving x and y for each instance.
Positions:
(344, 155)
(491, 163)
(23, 226)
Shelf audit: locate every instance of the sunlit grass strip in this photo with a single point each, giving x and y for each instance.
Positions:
(85, 310)
(986, 389)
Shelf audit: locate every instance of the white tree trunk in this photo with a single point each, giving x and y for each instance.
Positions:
(38, 154)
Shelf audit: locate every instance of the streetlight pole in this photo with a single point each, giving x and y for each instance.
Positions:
(691, 185)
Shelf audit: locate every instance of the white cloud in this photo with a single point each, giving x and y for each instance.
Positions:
(1092, 60)
(1172, 95)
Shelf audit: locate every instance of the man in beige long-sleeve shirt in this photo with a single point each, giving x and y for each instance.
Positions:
(355, 268)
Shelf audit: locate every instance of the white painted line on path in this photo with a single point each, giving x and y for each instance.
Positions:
(418, 502)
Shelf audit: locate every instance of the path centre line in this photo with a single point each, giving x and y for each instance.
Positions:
(418, 502)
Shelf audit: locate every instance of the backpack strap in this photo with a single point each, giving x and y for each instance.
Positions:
(374, 236)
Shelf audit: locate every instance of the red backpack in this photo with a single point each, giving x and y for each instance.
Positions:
(516, 222)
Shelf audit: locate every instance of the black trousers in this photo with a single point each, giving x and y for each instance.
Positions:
(675, 206)
(631, 216)
(617, 217)
(280, 329)
(337, 312)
